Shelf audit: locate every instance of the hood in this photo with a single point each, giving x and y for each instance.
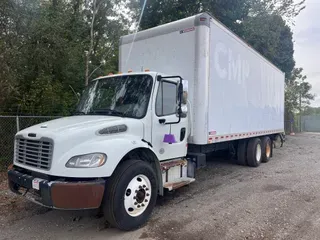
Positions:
(76, 126)
(73, 123)
(77, 135)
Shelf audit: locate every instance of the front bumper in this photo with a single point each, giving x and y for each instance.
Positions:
(69, 195)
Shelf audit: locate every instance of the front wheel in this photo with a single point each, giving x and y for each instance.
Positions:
(131, 195)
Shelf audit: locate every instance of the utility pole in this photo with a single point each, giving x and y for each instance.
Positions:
(95, 9)
(300, 125)
(87, 68)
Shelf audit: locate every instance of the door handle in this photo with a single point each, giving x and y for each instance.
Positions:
(162, 121)
(182, 134)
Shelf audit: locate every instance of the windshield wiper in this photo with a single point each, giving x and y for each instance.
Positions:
(108, 111)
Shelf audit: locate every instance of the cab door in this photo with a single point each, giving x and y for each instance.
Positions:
(169, 127)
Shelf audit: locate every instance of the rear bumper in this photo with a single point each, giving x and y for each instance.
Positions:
(58, 194)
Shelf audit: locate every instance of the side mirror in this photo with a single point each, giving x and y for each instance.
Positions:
(184, 107)
(179, 95)
(180, 98)
(184, 100)
(184, 97)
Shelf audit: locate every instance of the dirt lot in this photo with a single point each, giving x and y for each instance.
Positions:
(278, 200)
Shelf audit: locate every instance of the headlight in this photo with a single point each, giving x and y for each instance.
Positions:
(91, 160)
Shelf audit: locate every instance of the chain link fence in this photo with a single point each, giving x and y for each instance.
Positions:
(9, 126)
(310, 123)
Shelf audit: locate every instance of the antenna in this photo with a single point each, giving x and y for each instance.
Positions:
(135, 34)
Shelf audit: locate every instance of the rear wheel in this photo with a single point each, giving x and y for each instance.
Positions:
(254, 152)
(266, 149)
(242, 153)
(130, 195)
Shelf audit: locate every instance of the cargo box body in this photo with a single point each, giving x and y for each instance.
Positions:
(234, 91)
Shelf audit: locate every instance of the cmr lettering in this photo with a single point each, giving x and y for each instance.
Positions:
(230, 65)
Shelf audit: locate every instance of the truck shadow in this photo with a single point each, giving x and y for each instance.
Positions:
(219, 166)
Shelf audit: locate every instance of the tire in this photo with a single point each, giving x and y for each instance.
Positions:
(242, 153)
(254, 152)
(120, 205)
(266, 149)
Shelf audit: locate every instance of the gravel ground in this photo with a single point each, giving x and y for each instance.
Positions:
(278, 200)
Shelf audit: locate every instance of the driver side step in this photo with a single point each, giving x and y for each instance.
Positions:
(176, 173)
(178, 183)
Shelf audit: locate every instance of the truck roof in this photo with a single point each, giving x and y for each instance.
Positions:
(166, 28)
(185, 23)
(152, 73)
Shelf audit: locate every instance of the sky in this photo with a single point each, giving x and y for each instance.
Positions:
(307, 45)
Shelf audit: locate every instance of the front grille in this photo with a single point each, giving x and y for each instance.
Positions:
(34, 153)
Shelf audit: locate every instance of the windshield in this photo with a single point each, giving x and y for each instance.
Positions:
(126, 96)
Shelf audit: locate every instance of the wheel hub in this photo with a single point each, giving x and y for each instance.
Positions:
(137, 195)
(141, 194)
(268, 150)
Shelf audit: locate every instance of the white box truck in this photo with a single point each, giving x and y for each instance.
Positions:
(141, 131)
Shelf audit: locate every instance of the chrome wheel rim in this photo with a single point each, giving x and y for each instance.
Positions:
(137, 195)
(258, 153)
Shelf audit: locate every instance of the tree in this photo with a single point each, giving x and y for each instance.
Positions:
(297, 93)
(43, 44)
(15, 18)
(107, 24)
(163, 11)
(287, 9)
(272, 37)
(311, 111)
(259, 22)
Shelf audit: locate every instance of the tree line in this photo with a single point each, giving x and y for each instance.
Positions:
(50, 49)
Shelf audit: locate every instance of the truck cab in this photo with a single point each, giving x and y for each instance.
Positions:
(112, 149)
